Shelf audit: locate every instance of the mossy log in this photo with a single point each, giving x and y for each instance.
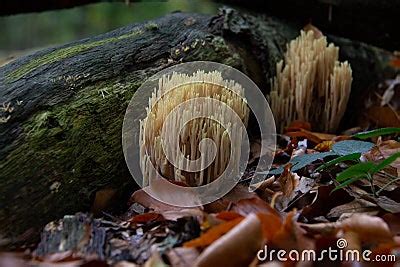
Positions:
(62, 112)
(371, 21)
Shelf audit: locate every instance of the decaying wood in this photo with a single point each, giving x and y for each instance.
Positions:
(371, 21)
(61, 118)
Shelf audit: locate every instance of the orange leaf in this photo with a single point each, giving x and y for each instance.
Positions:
(252, 205)
(270, 224)
(228, 215)
(237, 248)
(324, 146)
(305, 134)
(213, 234)
(147, 217)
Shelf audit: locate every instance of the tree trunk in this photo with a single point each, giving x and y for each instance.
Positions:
(60, 130)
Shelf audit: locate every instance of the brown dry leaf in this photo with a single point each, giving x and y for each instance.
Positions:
(163, 188)
(213, 234)
(252, 205)
(324, 201)
(306, 135)
(355, 206)
(383, 116)
(388, 148)
(324, 146)
(382, 180)
(182, 257)
(167, 191)
(238, 193)
(325, 229)
(237, 248)
(388, 204)
(144, 199)
(288, 181)
(370, 229)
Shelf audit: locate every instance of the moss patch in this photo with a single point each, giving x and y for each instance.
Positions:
(77, 146)
(64, 53)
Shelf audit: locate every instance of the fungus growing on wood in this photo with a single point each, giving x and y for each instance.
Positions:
(178, 107)
(311, 84)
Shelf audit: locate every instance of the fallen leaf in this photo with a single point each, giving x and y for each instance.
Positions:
(237, 248)
(291, 235)
(228, 215)
(306, 135)
(382, 116)
(355, 206)
(388, 204)
(213, 234)
(370, 229)
(388, 148)
(324, 201)
(238, 193)
(146, 217)
(324, 146)
(271, 223)
(252, 205)
(160, 185)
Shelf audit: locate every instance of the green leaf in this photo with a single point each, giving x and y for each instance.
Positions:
(351, 146)
(353, 156)
(301, 161)
(358, 170)
(306, 159)
(377, 132)
(389, 160)
(347, 182)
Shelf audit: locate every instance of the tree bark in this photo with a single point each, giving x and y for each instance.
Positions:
(60, 130)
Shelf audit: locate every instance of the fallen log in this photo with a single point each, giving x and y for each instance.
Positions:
(371, 21)
(62, 112)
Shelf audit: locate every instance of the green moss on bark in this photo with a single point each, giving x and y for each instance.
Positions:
(65, 53)
(76, 146)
